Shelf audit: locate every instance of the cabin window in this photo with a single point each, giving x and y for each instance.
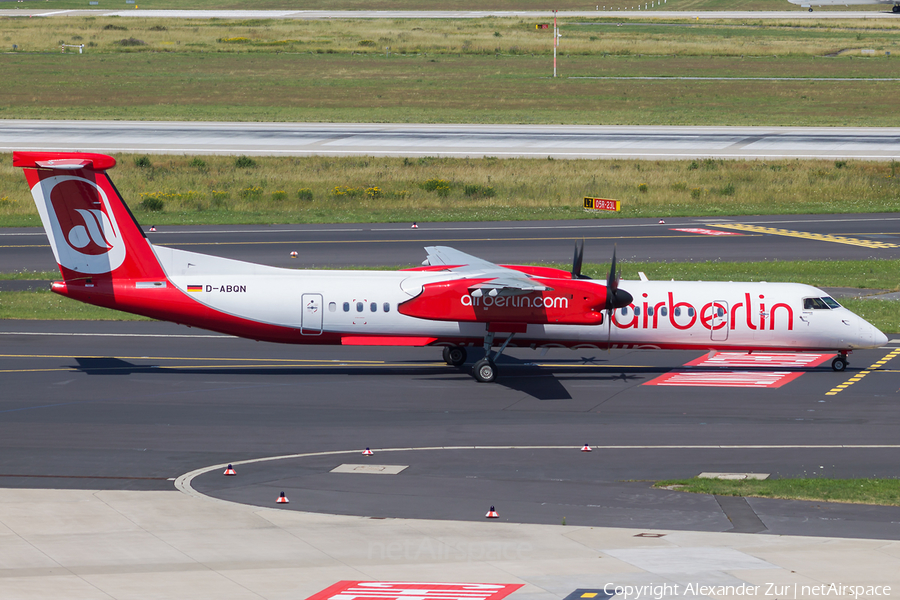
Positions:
(637, 311)
(690, 311)
(624, 311)
(386, 307)
(359, 307)
(663, 311)
(649, 311)
(332, 306)
(346, 307)
(373, 307)
(720, 311)
(676, 312)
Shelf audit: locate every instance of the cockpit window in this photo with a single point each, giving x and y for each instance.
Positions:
(820, 303)
(830, 302)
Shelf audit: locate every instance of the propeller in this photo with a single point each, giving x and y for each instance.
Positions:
(615, 298)
(577, 260)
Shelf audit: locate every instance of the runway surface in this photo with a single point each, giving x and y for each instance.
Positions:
(450, 14)
(504, 141)
(133, 406)
(752, 238)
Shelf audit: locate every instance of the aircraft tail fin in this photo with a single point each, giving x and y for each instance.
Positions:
(91, 230)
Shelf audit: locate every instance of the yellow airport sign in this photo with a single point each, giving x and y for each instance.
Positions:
(601, 204)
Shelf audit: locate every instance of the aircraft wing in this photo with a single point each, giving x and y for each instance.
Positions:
(500, 281)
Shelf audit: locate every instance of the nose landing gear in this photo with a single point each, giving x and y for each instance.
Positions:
(840, 362)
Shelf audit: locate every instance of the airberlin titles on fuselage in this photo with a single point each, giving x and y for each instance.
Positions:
(684, 316)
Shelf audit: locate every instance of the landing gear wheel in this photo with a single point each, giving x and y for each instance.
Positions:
(839, 363)
(454, 355)
(485, 370)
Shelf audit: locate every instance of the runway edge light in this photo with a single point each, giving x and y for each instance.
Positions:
(282, 499)
(367, 452)
(229, 470)
(492, 514)
(585, 448)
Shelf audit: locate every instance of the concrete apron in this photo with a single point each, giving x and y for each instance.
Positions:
(78, 544)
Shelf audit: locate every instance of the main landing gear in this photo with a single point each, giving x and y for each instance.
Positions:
(485, 370)
(840, 362)
(454, 355)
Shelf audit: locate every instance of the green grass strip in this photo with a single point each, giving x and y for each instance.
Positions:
(30, 276)
(45, 305)
(852, 491)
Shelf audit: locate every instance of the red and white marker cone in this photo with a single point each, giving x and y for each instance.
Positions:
(229, 471)
(585, 448)
(282, 499)
(492, 514)
(294, 254)
(367, 452)
(414, 226)
(662, 222)
(153, 228)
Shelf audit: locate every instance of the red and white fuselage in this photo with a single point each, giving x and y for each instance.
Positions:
(458, 300)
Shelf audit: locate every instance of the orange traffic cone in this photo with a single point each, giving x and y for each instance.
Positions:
(229, 471)
(492, 514)
(585, 448)
(367, 452)
(282, 499)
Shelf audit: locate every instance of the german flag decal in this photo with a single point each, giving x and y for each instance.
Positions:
(195, 288)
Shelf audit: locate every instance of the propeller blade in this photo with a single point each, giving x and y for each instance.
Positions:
(612, 282)
(615, 298)
(609, 314)
(577, 259)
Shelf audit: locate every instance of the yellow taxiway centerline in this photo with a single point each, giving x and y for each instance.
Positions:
(876, 366)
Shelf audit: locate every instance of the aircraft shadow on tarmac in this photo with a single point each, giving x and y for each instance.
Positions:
(539, 382)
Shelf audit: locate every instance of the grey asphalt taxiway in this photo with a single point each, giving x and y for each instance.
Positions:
(749, 238)
(503, 141)
(133, 406)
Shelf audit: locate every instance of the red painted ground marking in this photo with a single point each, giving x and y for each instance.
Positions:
(394, 590)
(702, 231)
(756, 379)
(775, 360)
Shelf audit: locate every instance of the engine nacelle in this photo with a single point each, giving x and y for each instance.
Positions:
(570, 302)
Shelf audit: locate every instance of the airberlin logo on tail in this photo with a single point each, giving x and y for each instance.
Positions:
(80, 224)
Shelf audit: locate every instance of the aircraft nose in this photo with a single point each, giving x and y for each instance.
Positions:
(870, 335)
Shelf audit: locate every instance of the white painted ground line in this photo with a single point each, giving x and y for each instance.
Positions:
(734, 476)
(183, 483)
(370, 469)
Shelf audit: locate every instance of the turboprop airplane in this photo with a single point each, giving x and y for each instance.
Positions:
(455, 301)
(810, 3)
